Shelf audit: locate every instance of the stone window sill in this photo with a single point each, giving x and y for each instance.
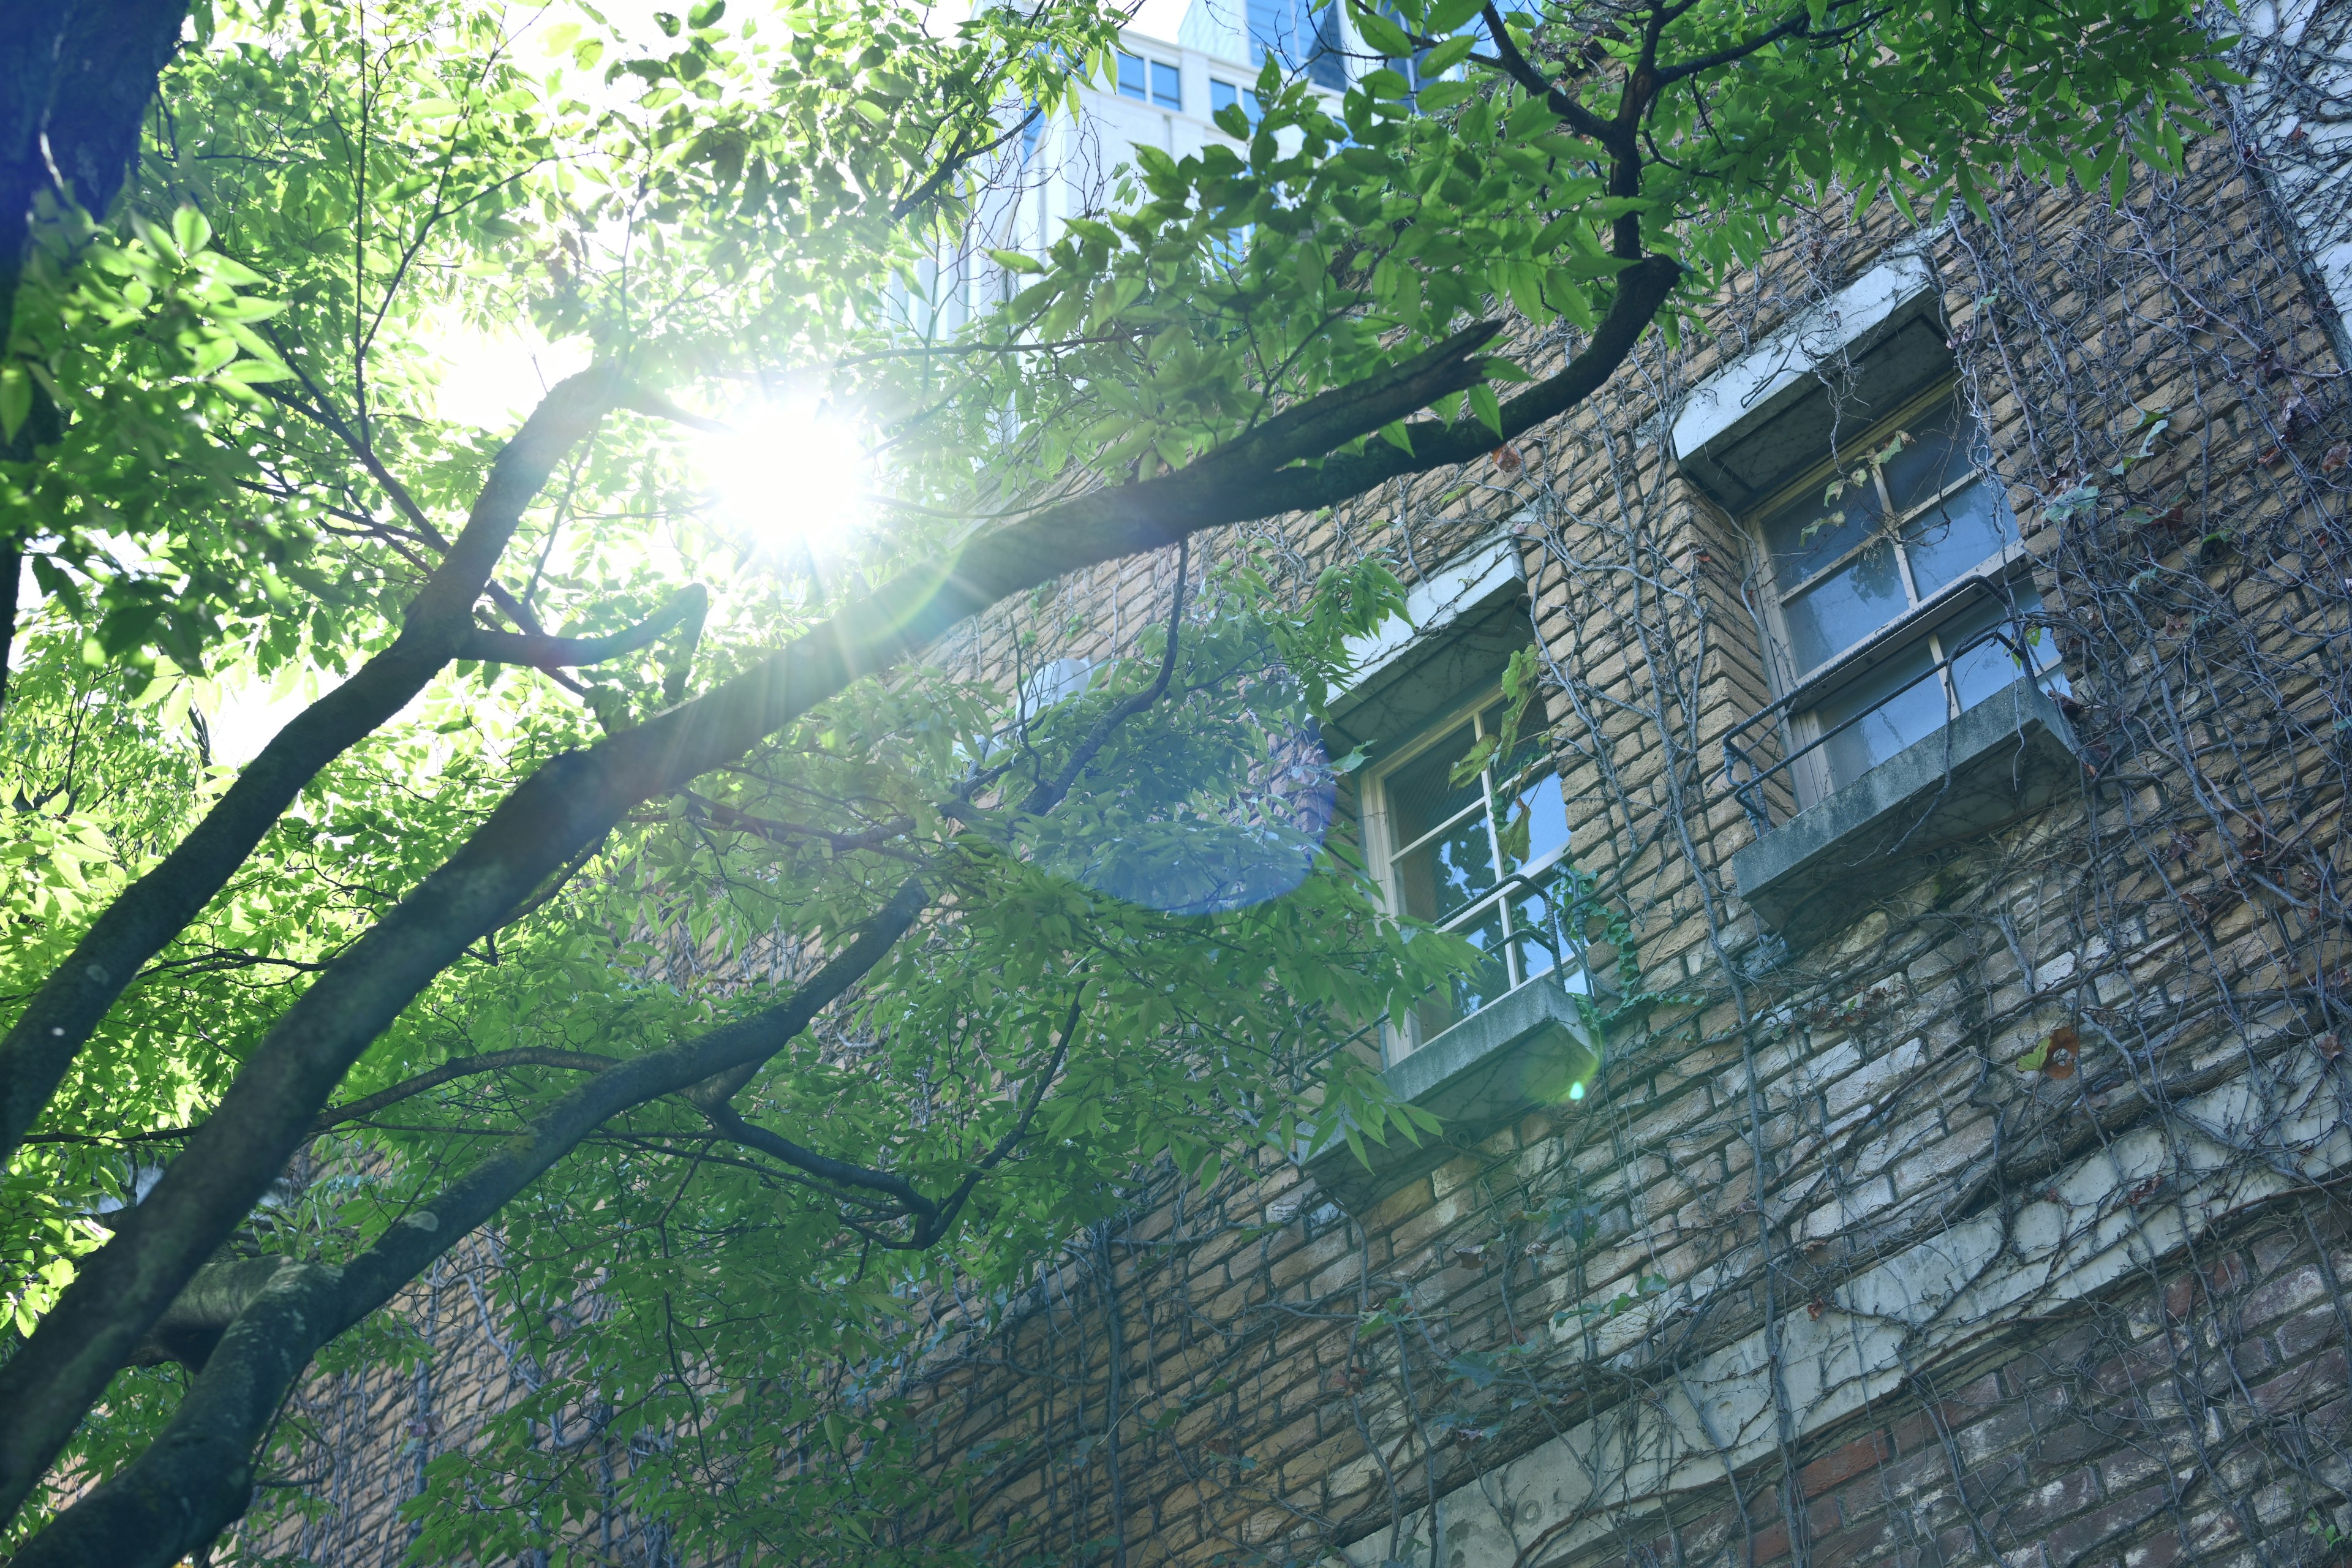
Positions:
(1530, 1047)
(2006, 758)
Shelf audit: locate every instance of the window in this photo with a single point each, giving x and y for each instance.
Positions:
(1167, 86)
(1300, 38)
(1225, 95)
(1130, 75)
(1904, 552)
(1483, 859)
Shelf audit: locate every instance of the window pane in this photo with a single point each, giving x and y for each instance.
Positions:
(1994, 665)
(1936, 458)
(1811, 532)
(1892, 717)
(1547, 815)
(1537, 942)
(1488, 981)
(1845, 607)
(1443, 875)
(1957, 535)
(1130, 75)
(1418, 795)
(1167, 86)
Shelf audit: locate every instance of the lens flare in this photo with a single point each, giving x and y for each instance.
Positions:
(791, 477)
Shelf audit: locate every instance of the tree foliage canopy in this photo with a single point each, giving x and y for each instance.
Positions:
(655, 893)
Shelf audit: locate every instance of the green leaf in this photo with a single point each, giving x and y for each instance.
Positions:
(1383, 36)
(1446, 56)
(1490, 410)
(191, 232)
(15, 399)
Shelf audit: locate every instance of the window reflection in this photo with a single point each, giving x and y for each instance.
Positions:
(1478, 858)
(1906, 515)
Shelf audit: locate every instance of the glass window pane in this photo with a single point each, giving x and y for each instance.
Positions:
(1958, 534)
(1443, 875)
(1897, 707)
(1490, 979)
(1130, 75)
(1845, 607)
(1933, 456)
(1222, 94)
(1167, 86)
(1487, 982)
(1537, 941)
(1995, 665)
(1811, 532)
(1419, 798)
(1547, 815)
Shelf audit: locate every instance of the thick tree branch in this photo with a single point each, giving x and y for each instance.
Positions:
(728, 1123)
(1794, 25)
(574, 798)
(1521, 70)
(202, 1312)
(197, 1476)
(41, 1045)
(12, 566)
(541, 651)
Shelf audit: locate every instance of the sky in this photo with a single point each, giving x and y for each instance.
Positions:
(493, 379)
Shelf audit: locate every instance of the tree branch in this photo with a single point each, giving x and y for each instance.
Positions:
(574, 798)
(955, 1201)
(41, 1045)
(1792, 26)
(193, 1324)
(195, 1477)
(453, 1070)
(1044, 797)
(1521, 70)
(541, 651)
(726, 816)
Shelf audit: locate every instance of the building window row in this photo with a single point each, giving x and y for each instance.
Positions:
(1149, 81)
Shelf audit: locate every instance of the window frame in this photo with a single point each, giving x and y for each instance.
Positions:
(1925, 620)
(1383, 853)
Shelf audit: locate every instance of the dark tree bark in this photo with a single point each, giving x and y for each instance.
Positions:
(75, 82)
(439, 627)
(122, 1288)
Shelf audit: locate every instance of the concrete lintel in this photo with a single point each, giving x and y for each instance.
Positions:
(1479, 575)
(1754, 384)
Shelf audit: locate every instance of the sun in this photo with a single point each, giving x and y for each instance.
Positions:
(790, 476)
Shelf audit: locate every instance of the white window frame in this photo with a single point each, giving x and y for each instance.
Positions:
(1382, 852)
(1923, 621)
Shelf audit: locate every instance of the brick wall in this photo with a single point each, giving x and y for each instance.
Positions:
(1818, 1273)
